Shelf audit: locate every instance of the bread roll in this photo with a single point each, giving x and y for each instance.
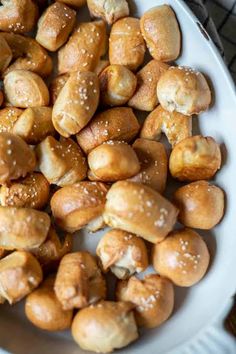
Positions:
(112, 161)
(79, 281)
(61, 162)
(56, 85)
(153, 298)
(201, 205)
(114, 124)
(76, 103)
(22, 228)
(102, 64)
(84, 48)
(20, 273)
(8, 117)
(136, 208)
(44, 310)
(182, 257)
(110, 11)
(195, 158)
(74, 3)
(174, 125)
(145, 96)
(153, 161)
(126, 44)
(183, 90)
(6, 54)
(55, 25)
(117, 85)
(16, 158)
(112, 323)
(80, 205)
(25, 89)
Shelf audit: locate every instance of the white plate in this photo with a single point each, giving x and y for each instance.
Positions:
(196, 308)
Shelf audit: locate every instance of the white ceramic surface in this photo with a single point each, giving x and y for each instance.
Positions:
(196, 308)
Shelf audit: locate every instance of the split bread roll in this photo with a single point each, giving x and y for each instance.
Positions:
(182, 257)
(113, 124)
(76, 103)
(80, 205)
(109, 10)
(112, 161)
(79, 281)
(55, 25)
(183, 90)
(161, 32)
(153, 298)
(112, 323)
(25, 89)
(6, 54)
(174, 125)
(8, 118)
(73, 3)
(123, 253)
(126, 44)
(195, 158)
(22, 228)
(56, 86)
(20, 273)
(61, 162)
(136, 208)
(201, 205)
(44, 310)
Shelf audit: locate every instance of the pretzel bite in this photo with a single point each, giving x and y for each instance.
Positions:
(55, 25)
(61, 162)
(44, 310)
(56, 85)
(123, 253)
(16, 158)
(8, 117)
(22, 228)
(74, 3)
(174, 125)
(153, 298)
(201, 205)
(109, 10)
(112, 161)
(126, 44)
(145, 97)
(114, 124)
(161, 32)
(6, 54)
(20, 273)
(102, 64)
(112, 323)
(84, 48)
(25, 89)
(76, 103)
(136, 208)
(80, 205)
(153, 161)
(183, 90)
(195, 158)
(79, 281)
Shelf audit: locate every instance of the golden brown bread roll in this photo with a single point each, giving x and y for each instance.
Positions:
(109, 10)
(182, 257)
(174, 125)
(44, 310)
(25, 89)
(79, 205)
(113, 124)
(136, 208)
(145, 96)
(126, 44)
(76, 103)
(6, 54)
(79, 281)
(29, 192)
(16, 158)
(55, 25)
(123, 253)
(84, 48)
(56, 85)
(20, 273)
(153, 161)
(112, 161)
(183, 90)
(153, 298)
(61, 162)
(22, 228)
(112, 323)
(201, 205)
(74, 3)
(195, 158)
(8, 117)
(102, 64)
